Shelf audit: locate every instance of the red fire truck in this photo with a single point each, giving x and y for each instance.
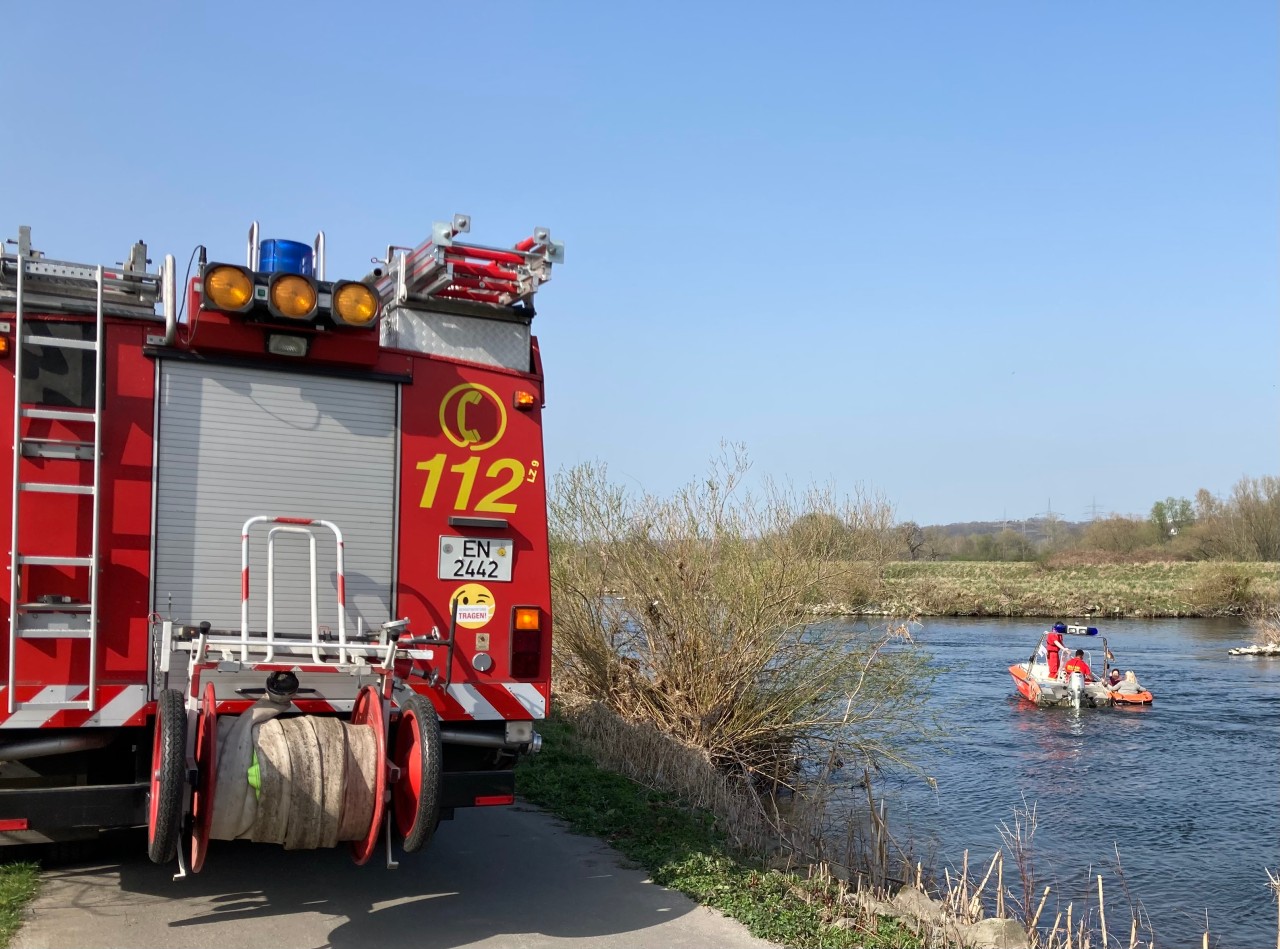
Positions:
(278, 552)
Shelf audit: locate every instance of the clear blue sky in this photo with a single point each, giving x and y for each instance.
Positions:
(983, 257)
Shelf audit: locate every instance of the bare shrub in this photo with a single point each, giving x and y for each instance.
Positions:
(1255, 526)
(1224, 589)
(693, 613)
(1118, 535)
(1267, 629)
(1244, 527)
(1097, 558)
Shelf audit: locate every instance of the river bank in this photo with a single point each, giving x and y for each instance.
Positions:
(1141, 590)
(686, 848)
(782, 895)
(1055, 767)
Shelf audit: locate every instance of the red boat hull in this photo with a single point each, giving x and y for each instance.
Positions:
(1027, 686)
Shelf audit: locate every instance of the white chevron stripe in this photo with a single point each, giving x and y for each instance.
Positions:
(121, 708)
(528, 696)
(473, 703)
(34, 716)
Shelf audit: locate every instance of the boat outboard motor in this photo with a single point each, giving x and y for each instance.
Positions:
(1075, 685)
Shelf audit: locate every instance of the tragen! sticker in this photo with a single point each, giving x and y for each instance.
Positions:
(474, 604)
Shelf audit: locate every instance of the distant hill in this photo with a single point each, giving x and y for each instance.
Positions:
(1033, 528)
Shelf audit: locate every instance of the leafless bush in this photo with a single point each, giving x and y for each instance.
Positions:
(1254, 528)
(1267, 629)
(1086, 557)
(693, 613)
(1246, 526)
(1224, 589)
(1119, 536)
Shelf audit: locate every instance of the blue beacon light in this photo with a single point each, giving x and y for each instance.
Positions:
(277, 256)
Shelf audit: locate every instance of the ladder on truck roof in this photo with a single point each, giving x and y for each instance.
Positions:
(444, 268)
(28, 281)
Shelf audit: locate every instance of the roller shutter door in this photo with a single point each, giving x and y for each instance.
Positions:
(238, 442)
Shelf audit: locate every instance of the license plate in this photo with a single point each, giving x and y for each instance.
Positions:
(476, 558)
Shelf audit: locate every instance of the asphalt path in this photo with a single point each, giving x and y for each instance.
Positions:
(494, 877)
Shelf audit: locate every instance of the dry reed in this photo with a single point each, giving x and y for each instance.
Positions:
(1102, 911)
(1273, 880)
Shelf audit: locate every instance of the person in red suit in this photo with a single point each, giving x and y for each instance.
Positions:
(1053, 645)
(1077, 664)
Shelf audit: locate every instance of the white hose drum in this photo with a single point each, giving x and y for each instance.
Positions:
(304, 781)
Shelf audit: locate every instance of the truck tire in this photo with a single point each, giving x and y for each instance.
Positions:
(417, 753)
(168, 754)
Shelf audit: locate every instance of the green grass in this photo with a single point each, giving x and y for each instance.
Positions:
(942, 588)
(682, 850)
(18, 885)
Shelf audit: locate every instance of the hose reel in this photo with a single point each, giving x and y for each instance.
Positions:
(301, 781)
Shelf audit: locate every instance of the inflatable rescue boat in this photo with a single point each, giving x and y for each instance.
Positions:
(1058, 674)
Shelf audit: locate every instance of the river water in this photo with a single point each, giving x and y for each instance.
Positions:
(1188, 789)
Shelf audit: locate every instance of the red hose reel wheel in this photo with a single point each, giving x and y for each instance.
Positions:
(415, 798)
(368, 711)
(168, 758)
(206, 777)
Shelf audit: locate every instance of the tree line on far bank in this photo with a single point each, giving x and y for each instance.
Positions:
(1244, 526)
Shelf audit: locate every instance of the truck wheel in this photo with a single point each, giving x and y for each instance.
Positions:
(168, 752)
(417, 753)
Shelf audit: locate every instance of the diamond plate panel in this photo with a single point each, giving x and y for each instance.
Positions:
(476, 339)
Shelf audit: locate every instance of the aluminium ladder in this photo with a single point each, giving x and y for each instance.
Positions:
(55, 619)
(29, 281)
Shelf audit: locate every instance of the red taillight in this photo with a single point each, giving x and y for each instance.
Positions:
(493, 800)
(526, 642)
(14, 823)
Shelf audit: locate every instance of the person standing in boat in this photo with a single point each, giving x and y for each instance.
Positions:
(1053, 644)
(1077, 664)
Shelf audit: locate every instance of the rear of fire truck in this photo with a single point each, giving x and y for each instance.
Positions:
(278, 565)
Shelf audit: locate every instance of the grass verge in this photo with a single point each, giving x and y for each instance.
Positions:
(18, 885)
(683, 850)
(966, 588)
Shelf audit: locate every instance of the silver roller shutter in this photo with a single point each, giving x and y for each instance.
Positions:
(238, 442)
